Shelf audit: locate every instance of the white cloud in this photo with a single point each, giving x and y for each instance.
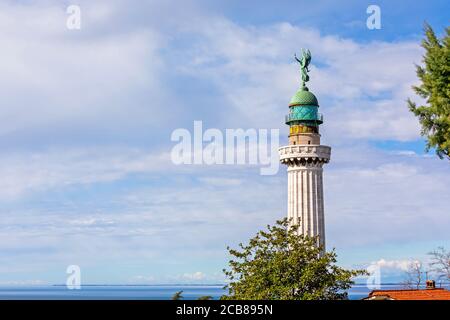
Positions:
(23, 283)
(408, 153)
(74, 78)
(378, 197)
(142, 279)
(402, 265)
(221, 182)
(196, 276)
(39, 171)
(91, 222)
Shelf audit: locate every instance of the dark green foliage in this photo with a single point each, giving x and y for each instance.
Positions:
(434, 76)
(177, 295)
(280, 264)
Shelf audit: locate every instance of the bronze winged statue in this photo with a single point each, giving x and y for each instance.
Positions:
(304, 63)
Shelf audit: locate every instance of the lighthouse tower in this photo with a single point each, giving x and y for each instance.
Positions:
(304, 157)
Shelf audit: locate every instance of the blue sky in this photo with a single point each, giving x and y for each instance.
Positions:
(86, 117)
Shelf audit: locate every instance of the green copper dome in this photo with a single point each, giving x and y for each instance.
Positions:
(304, 97)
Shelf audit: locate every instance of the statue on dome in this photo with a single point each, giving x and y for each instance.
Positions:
(304, 63)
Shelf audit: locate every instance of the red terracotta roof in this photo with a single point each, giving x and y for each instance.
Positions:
(425, 294)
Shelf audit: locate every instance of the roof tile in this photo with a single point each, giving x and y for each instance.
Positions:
(426, 294)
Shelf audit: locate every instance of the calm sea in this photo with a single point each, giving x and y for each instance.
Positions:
(153, 292)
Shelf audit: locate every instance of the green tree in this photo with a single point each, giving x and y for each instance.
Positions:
(281, 264)
(434, 76)
(177, 295)
(205, 298)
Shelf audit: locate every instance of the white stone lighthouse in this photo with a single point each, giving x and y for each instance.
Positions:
(304, 157)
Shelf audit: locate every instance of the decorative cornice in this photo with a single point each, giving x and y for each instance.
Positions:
(304, 155)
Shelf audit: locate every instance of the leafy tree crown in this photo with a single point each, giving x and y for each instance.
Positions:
(281, 264)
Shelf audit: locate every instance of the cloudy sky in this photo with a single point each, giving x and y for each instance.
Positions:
(86, 118)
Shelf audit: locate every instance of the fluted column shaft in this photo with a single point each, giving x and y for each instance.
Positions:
(305, 187)
(305, 200)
